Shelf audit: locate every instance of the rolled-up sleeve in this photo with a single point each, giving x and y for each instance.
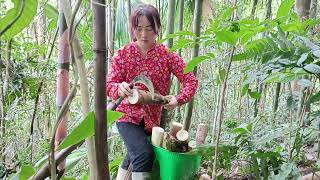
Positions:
(116, 75)
(188, 81)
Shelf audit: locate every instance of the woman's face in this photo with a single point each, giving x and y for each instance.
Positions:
(144, 33)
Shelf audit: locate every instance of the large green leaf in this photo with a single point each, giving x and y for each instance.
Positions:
(74, 158)
(25, 172)
(86, 129)
(285, 8)
(29, 9)
(227, 36)
(313, 68)
(52, 14)
(196, 61)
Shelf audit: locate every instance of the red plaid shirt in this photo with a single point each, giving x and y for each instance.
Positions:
(158, 65)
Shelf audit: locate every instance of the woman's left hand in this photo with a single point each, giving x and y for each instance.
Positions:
(172, 102)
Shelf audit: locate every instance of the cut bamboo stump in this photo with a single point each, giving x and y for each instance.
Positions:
(183, 136)
(205, 177)
(201, 134)
(145, 97)
(175, 127)
(176, 145)
(157, 136)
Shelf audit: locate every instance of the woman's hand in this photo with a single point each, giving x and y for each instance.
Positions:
(124, 90)
(173, 103)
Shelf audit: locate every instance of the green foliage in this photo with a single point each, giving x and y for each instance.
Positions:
(86, 129)
(24, 173)
(288, 171)
(52, 15)
(28, 11)
(285, 8)
(197, 60)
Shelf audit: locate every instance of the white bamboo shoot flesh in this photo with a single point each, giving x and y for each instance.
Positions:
(183, 136)
(157, 136)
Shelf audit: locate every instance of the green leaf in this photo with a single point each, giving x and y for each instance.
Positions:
(113, 116)
(313, 68)
(195, 62)
(86, 129)
(285, 61)
(74, 158)
(27, 14)
(182, 43)
(221, 76)
(316, 53)
(26, 172)
(254, 94)
(178, 34)
(302, 59)
(240, 130)
(227, 36)
(314, 98)
(244, 89)
(52, 14)
(310, 44)
(285, 8)
(305, 83)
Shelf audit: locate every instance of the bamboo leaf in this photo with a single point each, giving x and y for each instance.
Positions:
(86, 129)
(227, 36)
(285, 8)
(244, 89)
(305, 83)
(25, 172)
(316, 53)
(195, 62)
(29, 10)
(313, 68)
(302, 59)
(310, 44)
(52, 14)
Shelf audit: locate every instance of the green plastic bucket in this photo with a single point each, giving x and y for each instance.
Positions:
(176, 166)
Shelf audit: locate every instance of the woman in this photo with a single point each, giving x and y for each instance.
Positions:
(145, 56)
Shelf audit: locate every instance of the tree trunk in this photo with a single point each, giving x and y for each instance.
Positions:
(181, 8)
(84, 89)
(257, 101)
(254, 7)
(269, 8)
(5, 87)
(170, 25)
(276, 98)
(99, 47)
(303, 8)
(62, 78)
(195, 53)
(313, 9)
(170, 30)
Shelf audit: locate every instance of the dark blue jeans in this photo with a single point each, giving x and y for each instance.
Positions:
(139, 149)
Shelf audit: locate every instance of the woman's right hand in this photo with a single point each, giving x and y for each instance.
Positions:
(124, 90)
